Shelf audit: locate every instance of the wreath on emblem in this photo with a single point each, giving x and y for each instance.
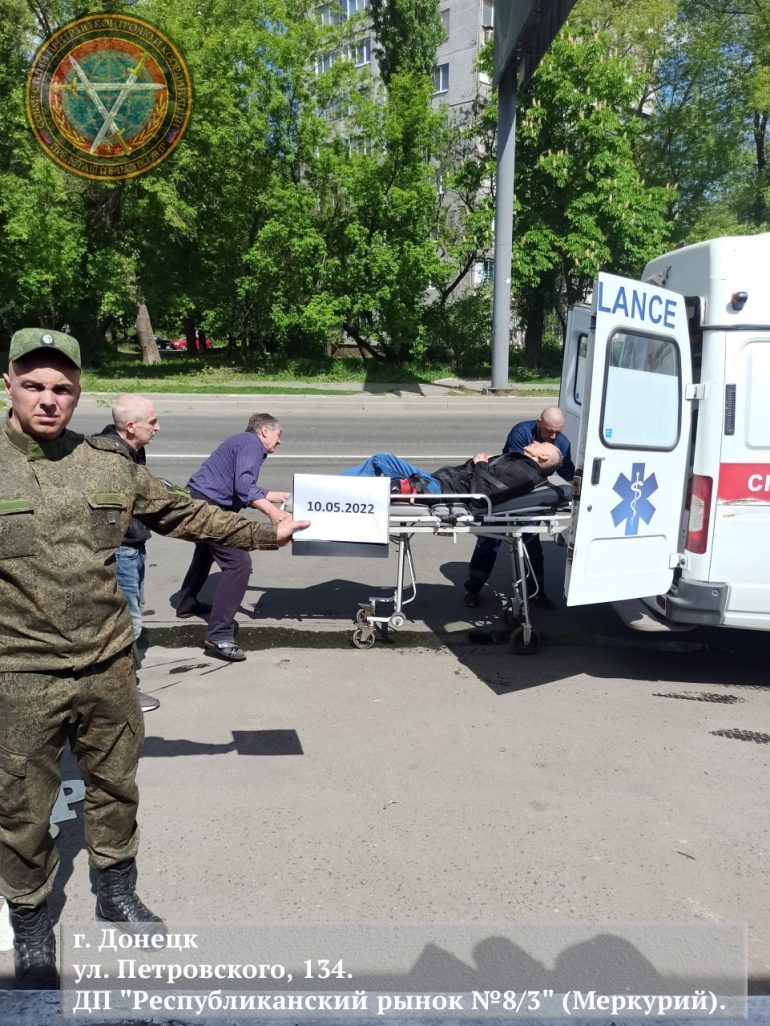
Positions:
(108, 96)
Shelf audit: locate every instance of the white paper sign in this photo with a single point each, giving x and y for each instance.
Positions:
(340, 508)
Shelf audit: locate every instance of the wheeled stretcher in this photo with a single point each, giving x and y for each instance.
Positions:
(545, 511)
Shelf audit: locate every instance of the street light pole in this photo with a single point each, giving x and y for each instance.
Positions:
(506, 166)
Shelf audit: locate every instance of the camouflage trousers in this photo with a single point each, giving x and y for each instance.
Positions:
(97, 712)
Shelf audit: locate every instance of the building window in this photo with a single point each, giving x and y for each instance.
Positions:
(351, 7)
(325, 62)
(329, 14)
(440, 79)
(483, 271)
(445, 22)
(361, 53)
(487, 14)
(360, 146)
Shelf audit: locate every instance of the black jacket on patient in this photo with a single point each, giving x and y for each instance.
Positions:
(504, 477)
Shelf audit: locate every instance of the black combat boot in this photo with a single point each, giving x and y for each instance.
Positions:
(34, 947)
(117, 900)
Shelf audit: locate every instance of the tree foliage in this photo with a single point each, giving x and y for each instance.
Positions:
(408, 34)
(581, 202)
(708, 129)
(311, 201)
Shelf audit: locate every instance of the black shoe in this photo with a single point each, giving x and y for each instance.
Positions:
(117, 900)
(34, 947)
(193, 609)
(472, 599)
(146, 702)
(543, 601)
(226, 650)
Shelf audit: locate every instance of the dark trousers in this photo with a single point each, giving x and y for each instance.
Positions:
(97, 712)
(235, 565)
(484, 555)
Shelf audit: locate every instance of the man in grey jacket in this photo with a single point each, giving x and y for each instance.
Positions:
(134, 425)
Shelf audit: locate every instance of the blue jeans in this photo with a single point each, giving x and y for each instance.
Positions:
(386, 464)
(130, 573)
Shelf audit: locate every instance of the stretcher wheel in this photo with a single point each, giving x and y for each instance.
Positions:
(511, 618)
(518, 645)
(397, 620)
(363, 637)
(363, 614)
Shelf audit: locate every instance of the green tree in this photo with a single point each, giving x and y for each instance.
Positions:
(708, 122)
(42, 234)
(408, 33)
(300, 207)
(582, 204)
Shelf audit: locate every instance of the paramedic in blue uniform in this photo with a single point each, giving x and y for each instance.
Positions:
(547, 428)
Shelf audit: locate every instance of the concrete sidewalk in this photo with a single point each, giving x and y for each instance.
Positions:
(316, 792)
(451, 388)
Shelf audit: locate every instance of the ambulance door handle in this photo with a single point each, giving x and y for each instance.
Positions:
(596, 470)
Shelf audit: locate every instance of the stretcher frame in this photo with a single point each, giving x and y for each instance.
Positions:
(544, 512)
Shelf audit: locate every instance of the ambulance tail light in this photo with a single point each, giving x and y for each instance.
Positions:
(699, 507)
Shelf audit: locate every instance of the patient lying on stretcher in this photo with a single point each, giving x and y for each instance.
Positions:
(500, 478)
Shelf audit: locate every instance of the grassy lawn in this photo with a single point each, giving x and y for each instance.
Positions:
(96, 383)
(219, 371)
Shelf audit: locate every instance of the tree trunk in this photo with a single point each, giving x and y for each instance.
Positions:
(533, 335)
(146, 335)
(189, 333)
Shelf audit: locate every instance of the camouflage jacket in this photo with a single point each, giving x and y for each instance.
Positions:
(64, 508)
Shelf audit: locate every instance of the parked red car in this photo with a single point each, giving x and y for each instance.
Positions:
(181, 343)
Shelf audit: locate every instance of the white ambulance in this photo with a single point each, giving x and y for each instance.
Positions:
(665, 388)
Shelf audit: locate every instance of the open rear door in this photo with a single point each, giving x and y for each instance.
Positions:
(573, 373)
(632, 453)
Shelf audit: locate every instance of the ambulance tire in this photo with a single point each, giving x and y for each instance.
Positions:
(518, 646)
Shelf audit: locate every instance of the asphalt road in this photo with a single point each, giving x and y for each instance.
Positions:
(322, 435)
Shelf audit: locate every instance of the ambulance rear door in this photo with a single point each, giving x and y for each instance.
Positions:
(573, 371)
(633, 448)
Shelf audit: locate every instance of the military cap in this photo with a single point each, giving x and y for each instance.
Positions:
(27, 340)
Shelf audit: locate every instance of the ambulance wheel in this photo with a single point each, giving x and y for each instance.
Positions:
(397, 620)
(518, 645)
(363, 638)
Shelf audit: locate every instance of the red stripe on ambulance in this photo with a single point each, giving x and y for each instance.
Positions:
(744, 481)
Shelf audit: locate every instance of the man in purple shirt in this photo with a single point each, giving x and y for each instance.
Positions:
(228, 479)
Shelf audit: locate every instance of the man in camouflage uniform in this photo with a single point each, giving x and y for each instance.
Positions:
(66, 668)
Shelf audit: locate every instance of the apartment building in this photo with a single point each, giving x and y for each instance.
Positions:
(468, 24)
(457, 83)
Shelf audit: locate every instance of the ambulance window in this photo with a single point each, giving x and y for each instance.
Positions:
(580, 369)
(694, 307)
(641, 407)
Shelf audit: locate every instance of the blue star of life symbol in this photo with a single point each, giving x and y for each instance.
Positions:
(635, 504)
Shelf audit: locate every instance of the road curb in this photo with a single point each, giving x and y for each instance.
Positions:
(338, 635)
